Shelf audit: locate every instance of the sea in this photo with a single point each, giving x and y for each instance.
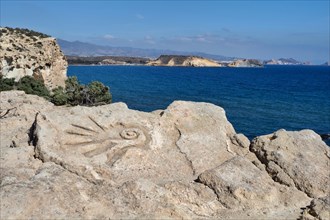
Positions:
(257, 101)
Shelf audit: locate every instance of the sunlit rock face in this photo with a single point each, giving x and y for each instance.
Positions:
(29, 53)
(186, 162)
(177, 60)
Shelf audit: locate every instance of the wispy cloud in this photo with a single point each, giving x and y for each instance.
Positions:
(200, 38)
(139, 16)
(148, 39)
(108, 37)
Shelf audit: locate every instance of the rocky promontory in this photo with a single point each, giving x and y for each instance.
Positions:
(178, 60)
(245, 63)
(29, 53)
(187, 162)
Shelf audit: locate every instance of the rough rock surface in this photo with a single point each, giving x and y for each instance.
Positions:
(318, 209)
(28, 53)
(290, 159)
(177, 60)
(183, 162)
(246, 63)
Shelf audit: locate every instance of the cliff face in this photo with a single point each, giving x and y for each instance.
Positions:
(184, 162)
(28, 53)
(176, 60)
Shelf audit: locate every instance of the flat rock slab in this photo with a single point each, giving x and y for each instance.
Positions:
(115, 144)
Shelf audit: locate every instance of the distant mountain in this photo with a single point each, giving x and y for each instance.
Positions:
(82, 49)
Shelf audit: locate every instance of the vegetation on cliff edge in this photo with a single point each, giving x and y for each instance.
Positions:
(22, 31)
(74, 93)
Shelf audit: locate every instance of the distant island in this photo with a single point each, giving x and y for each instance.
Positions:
(285, 61)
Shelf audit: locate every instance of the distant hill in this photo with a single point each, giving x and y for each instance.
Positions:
(106, 60)
(82, 49)
(284, 61)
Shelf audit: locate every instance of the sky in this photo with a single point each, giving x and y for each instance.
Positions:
(250, 29)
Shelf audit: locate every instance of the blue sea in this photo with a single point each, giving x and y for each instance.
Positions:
(257, 101)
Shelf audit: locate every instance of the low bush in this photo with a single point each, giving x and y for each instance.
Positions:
(6, 84)
(74, 93)
(59, 96)
(94, 93)
(32, 86)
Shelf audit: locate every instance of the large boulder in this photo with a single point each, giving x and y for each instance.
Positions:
(296, 159)
(115, 144)
(241, 185)
(29, 53)
(111, 162)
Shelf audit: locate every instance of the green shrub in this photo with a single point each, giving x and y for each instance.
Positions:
(6, 84)
(96, 93)
(73, 90)
(59, 96)
(74, 93)
(32, 86)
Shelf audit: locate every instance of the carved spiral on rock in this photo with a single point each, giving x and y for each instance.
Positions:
(131, 133)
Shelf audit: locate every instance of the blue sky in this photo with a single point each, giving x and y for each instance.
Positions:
(252, 29)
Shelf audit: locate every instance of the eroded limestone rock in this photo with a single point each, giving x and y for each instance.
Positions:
(298, 159)
(26, 53)
(241, 185)
(116, 144)
(110, 162)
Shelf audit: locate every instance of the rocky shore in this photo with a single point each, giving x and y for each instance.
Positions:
(186, 161)
(111, 162)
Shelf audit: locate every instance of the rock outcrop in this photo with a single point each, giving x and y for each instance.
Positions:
(283, 61)
(177, 60)
(186, 161)
(245, 63)
(29, 53)
(290, 159)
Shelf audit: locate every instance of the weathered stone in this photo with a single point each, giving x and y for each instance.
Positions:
(116, 144)
(23, 54)
(299, 159)
(240, 185)
(318, 209)
(204, 132)
(17, 114)
(110, 162)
